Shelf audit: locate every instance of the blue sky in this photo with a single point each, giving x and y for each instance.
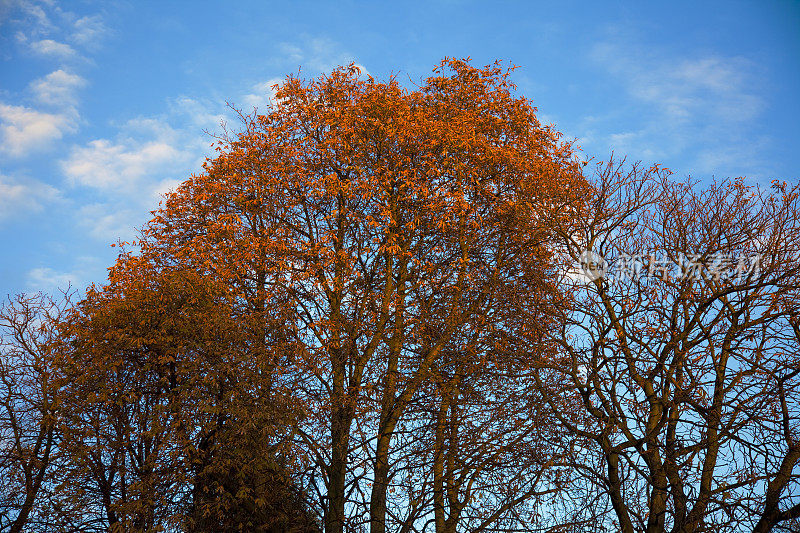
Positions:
(104, 104)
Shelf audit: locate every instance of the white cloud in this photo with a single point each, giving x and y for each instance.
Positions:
(684, 89)
(49, 47)
(52, 31)
(165, 187)
(24, 130)
(735, 159)
(43, 26)
(291, 52)
(637, 142)
(199, 113)
(148, 157)
(58, 88)
(104, 164)
(37, 15)
(45, 278)
(146, 151)
(19, 196)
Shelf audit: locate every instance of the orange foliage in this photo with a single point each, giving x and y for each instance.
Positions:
(376, 225)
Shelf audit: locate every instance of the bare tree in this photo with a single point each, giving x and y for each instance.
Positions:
(29, 405)
(680, 344)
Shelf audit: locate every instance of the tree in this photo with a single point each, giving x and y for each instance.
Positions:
(376, 223)
(29, 406)
(366, 311)
(130, 377)
(684, 354)
(161, 396)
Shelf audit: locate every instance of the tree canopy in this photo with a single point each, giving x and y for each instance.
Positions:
(366, 313)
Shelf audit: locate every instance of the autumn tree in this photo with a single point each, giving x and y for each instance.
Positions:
(680, 345)
(376, 224)
(125, 384)
(366, 311)
(161, 397)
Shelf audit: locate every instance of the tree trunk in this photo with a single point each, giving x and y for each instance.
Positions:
(341, 417)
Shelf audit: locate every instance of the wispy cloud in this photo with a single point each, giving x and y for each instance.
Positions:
(317, 54)
(18, 196)
(197, 113)
(110, 221)
(49, 30)
(34, 14)
(131, 171)
(89, 31)
(34, 120)
(699, 108)
(46, 279)
(86, 268)
(105, 164)
(685, 89)
(262, 95)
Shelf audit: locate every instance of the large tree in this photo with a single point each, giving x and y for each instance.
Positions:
(385, 230)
